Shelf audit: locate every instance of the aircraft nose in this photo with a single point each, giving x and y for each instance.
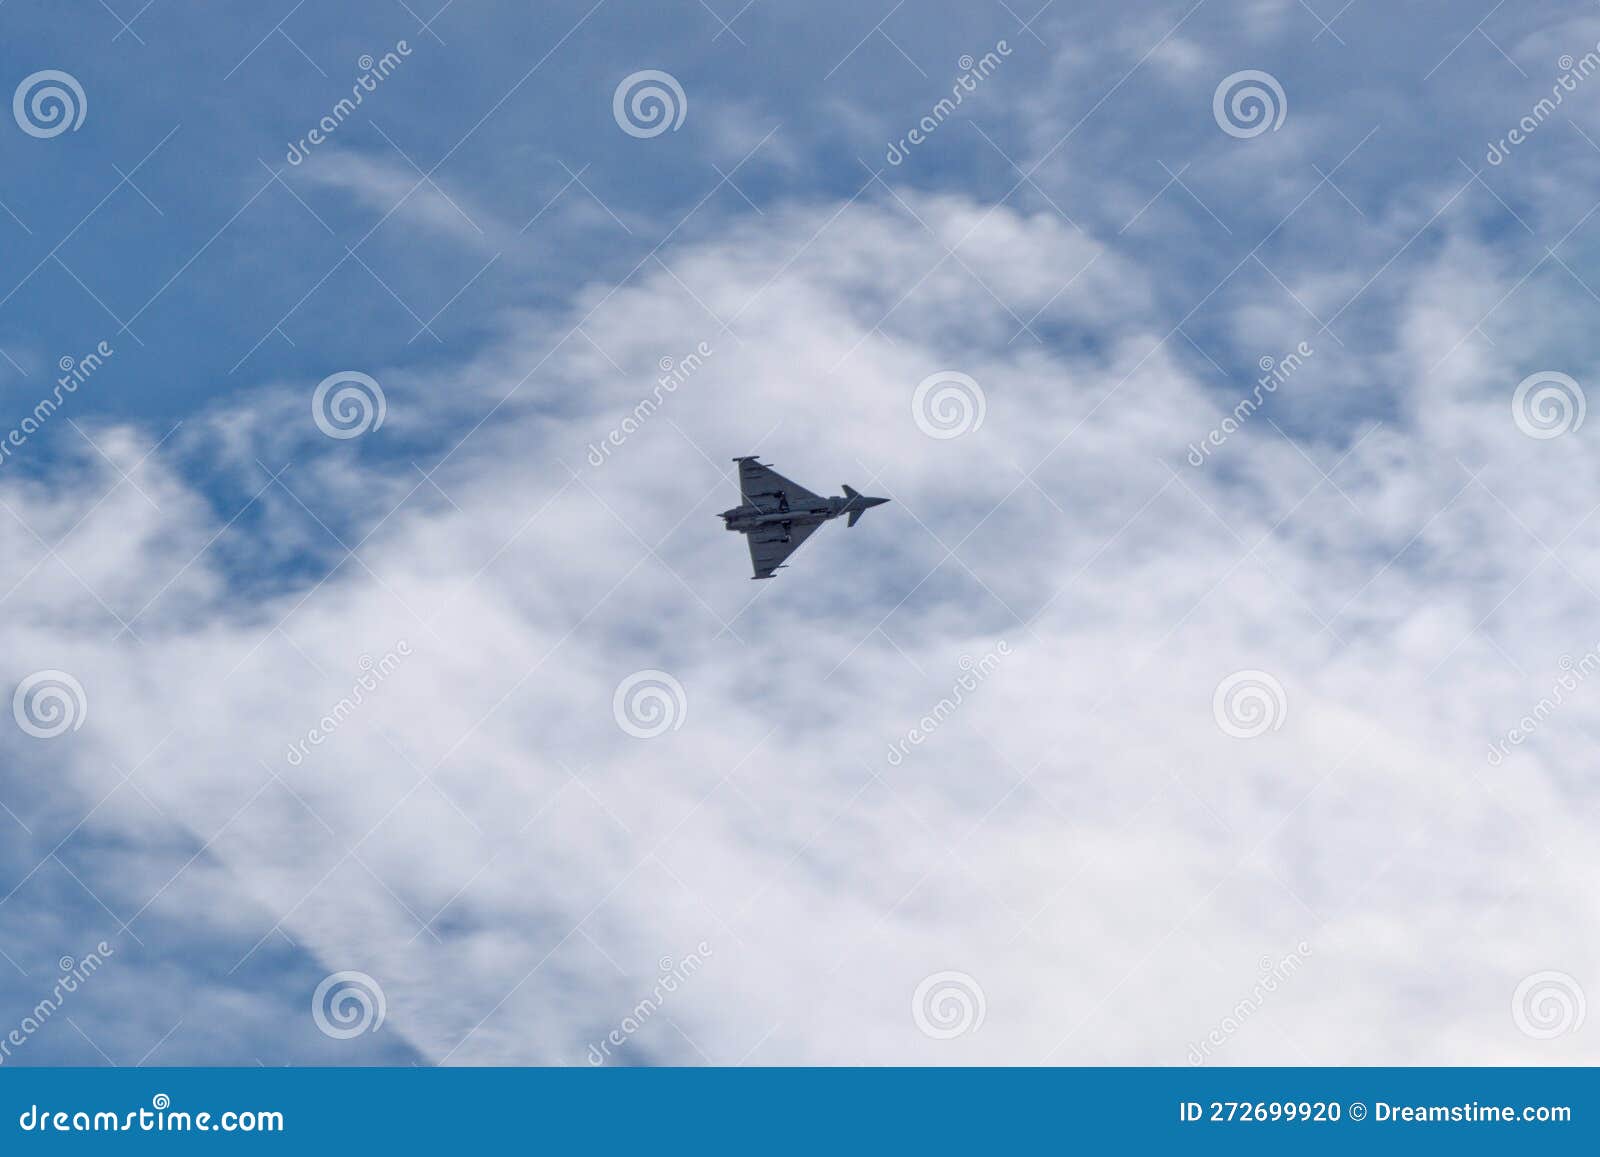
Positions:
(871, 502)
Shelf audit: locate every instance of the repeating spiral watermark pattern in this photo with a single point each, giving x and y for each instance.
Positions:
(348, 404)
(649, 703)
(948, 404)
(1548, 404)
(648, 103)
(49, 703)
(347, 1004)
(948, 1004)
(1249, 103)
(1249, 703)
(1548, 1004)
(48, 103)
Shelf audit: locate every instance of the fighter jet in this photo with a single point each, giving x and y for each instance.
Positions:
(777, 515)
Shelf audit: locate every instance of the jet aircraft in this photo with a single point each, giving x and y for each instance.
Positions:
(777, 515)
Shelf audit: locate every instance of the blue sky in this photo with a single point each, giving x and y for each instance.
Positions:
(1083, 843)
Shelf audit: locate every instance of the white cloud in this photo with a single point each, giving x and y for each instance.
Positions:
(1080, 837)
(393, 186)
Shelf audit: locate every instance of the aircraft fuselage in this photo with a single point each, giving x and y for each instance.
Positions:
(744, 518)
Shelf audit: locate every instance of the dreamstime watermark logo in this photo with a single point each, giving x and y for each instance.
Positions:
(1573, 674)
(1274, 373)
(74, 373)
(348, 404)
(673, 375)
(974, 671)
(373, 672)
(972, 72)
(49, 703)
(1548, 1004)
(672, 974)
(372, 72)
(1249, 103)
(948, 1004)
(73, 974)
(649, 703)
(48, 103)
(648, 103)
(1273, 974)
(1249, 703)
(156, 1119)
(1572, 71)
(1548, 404)
(948, 404)
(347, 1004)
